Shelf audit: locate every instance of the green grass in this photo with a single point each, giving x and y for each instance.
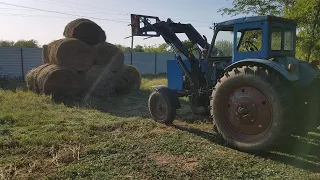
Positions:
(115, 138)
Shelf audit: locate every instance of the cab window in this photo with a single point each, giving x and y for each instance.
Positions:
(276, 39)
(288, 40)
(251, 40)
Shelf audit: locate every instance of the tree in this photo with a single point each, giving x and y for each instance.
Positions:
(306, 13)
(21, 43)
(257, 7)
(4, 43)
(224, 46)
(165, 48)
(27, 43)
(160, 48)
(123, 48)
(188, 44)
(138, 48)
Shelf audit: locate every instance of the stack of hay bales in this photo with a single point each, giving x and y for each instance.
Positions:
(82, 63)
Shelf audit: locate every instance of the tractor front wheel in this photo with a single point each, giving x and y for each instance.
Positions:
(249, 108)
(161, 108)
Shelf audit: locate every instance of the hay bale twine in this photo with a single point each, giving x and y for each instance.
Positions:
(99, 81)
(85, 30)
(110, 56)
(71, 53)
(59, 81)
(127, 79)
(45, 54)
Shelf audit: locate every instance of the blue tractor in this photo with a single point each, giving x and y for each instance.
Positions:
(257, 93)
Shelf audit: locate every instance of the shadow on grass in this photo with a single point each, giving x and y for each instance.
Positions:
(134, 104)
(300, 152)
(213, 137)
(13, 85)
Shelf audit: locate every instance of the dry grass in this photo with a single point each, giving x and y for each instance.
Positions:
(115, 138)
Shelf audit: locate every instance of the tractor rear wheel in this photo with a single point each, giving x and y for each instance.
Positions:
(249, 106)
(161, 108)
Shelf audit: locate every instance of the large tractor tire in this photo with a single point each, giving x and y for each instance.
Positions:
(250, 107)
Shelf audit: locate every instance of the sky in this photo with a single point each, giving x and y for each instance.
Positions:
(30, 19)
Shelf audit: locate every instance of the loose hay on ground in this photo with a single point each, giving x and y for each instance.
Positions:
(99, 81)
(59, 81)
(71, 53)
(109, 55)
(85, 30)
(127, 79)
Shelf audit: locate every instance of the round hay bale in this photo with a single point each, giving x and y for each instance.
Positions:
(127, 79)
(30, 80)
(110, 56)
(71, 53)
(59, 81)
(99, 81)
(85, 30)
(45, 54)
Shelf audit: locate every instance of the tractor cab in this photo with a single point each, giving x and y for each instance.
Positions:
(258, 37)
(267, 41)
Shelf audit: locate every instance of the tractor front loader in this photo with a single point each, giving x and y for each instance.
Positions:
(256, 95)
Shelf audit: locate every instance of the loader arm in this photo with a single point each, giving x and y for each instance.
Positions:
(142, 26)
(168, 30)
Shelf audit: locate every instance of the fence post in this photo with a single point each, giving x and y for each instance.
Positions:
(155, 62)
(131, 50)
(22, 64)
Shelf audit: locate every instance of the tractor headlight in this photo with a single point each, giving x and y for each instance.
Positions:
(292, 67)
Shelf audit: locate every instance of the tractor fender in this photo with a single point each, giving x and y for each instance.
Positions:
(268, 64)
(171, 94)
